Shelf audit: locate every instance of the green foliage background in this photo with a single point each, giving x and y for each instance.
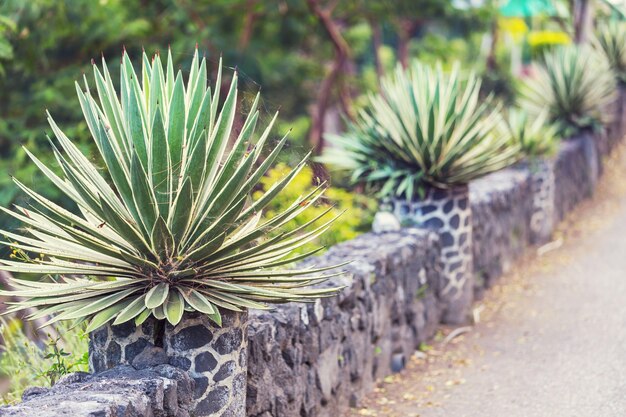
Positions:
(45, 45)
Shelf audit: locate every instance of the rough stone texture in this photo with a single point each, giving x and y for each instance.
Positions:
(149, 357)
(162, 391)
(615, 131)
(216, 358)
(542, 188)
(385, 222)
(448, 213)
(110, 346)
(502, 207)
(317, 359)
(593, 144)
(618, 129)
(540, 173)
(572, 183)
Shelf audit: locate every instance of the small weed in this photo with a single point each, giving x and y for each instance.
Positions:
(421, 292)
(423, 347)
(61, 361)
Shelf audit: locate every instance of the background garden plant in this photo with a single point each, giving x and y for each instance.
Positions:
(26, 363)
(174, 229)
(354, 212)
(419, 142)
(574, 85)
(610, 40)
(535, 136)
(425, 128)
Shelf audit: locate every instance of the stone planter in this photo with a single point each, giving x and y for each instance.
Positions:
(110, 346)
(447, 212)
(214, 357)
(542, 184)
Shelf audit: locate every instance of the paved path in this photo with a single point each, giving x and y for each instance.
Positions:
(551, 340)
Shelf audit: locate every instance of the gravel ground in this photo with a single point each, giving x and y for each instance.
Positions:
(550, 340)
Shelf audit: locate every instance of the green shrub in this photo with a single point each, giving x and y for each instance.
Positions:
(426, 127)
(24, 363)
(610, 40)
(174, 229)
(536, 137)
(354, 212)
(575, 86)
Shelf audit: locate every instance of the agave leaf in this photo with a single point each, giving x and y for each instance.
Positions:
(135, 123)
(182, 210)
(161, 166)
(143, 195)
(159, 312)
(220, 302)
(111, 112)
(174, 307)
(157, 85)
(162, 239)
(100, 304)
(169, 80)
(207, 249)
(142, 317)
(157, 295)
(221, 133)
(106, 315)
(176, 128)
(198, 301)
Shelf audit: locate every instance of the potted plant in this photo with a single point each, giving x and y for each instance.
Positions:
(575, 86)
(166, 249)
(610, 40)
(419, 142)
(537, 139)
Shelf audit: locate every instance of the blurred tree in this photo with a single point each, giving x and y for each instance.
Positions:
(312, 57)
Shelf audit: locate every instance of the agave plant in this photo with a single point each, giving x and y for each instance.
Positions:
(536, 137)
(610, 40)
(425, 127)
(168, 224)
(575, 86)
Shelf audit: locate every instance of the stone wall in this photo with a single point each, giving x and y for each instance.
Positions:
(572, 184)
(316, 360)
(124, 391)
(501, 209)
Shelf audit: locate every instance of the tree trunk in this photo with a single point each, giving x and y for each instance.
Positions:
(406, 31)
(342, 53)
(492, 62)
(583, 20)
(377, 43)
(248, 25)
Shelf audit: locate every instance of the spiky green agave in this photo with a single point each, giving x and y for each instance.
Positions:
(536, 136)
(425, 127)
(574, 85)
(175, 228)
(610, 40)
